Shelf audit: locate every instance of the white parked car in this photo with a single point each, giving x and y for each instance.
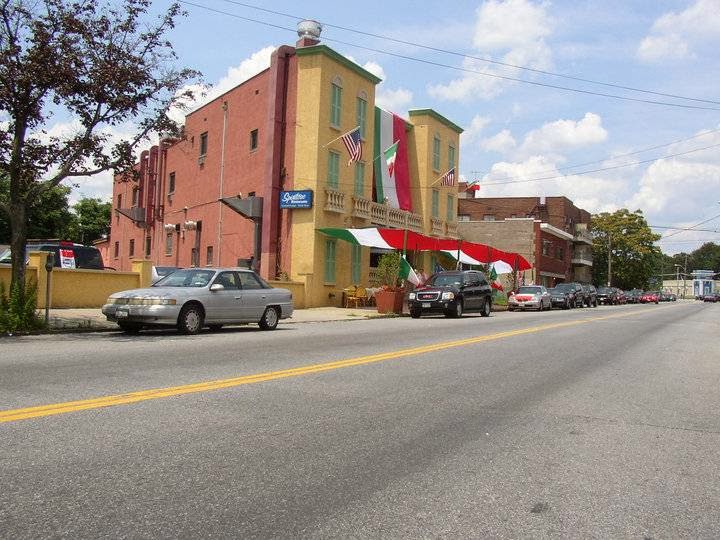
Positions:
(530, 297)
(194, 298)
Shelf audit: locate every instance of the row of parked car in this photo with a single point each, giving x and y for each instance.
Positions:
(578, 295)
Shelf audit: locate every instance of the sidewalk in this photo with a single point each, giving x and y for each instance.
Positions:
(93, 320)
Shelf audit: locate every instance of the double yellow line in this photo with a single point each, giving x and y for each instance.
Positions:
(157, 393)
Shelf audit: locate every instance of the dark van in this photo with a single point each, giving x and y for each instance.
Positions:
(67, 254)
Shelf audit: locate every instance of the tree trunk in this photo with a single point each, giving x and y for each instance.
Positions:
(18, 237)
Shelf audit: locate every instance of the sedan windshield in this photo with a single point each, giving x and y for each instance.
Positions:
(605, 290)
(186, 278)
(529, 290)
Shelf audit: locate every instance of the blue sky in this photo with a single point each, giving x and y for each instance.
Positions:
(518, 132)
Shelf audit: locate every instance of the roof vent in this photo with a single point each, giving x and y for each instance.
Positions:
(309, 33)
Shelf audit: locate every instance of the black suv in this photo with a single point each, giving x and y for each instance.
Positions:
(67, 254)
(452, 293)
(607, 295)
(574, 291)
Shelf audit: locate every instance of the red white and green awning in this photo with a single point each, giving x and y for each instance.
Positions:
(398, 239)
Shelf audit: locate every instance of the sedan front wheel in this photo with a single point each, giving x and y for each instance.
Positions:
(190, 321)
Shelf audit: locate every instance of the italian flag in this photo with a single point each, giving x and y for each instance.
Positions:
(392, 172)
(407, 273)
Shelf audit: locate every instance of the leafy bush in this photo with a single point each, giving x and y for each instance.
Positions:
(16, 313)
(388, 269)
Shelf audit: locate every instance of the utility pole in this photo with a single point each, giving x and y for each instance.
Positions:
(609, 261)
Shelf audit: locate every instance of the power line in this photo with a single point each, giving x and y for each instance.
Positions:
(681, 229)
(457, 68)
(463, 55)
(567, 167)
(601, 169)
(692, 227)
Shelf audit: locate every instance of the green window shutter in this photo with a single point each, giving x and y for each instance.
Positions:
(451, 157)
(359, 179)
(361, 115)
(450, 208)
(356, 263)
(333, 170)
(435, 203)
(335, 105)
(436, 153)
(330, 261)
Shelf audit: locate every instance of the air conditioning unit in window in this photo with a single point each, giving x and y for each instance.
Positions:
(201, 160)
(169, 227)
(190, 225)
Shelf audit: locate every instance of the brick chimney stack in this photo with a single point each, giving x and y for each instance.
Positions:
(309, 33)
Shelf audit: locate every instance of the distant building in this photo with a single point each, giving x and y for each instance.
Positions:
(550, 232)
(262, 167)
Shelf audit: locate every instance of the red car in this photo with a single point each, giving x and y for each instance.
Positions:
(649, 297)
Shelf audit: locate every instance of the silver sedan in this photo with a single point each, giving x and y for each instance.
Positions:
(193, 298)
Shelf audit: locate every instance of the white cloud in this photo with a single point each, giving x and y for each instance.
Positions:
(502, 142)
(674, 35)
(555, 137)
(473, 131)
(375, 68)
(397, 100)
(515, 29)
(235, 75)
(592, 193)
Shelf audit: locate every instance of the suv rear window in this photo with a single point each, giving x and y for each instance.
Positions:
(85, 256)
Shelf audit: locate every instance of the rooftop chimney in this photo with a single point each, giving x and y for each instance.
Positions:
(309, 33)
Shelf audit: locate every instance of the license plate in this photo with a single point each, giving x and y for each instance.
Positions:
(121, 314)
(426, 304)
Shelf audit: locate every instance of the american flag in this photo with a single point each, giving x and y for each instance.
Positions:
(448, 179)
(353, 143)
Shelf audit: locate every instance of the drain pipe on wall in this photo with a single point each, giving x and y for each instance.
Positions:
(222, 178)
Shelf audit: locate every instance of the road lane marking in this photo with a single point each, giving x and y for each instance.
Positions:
(13, 415)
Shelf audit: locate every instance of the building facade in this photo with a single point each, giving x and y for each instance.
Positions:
(213, 196)
(551, 233)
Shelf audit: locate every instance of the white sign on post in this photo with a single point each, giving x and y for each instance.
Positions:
(67, 258)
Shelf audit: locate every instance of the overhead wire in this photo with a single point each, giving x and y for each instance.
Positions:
(613, 158)
(458, 68)
(692, 227)
(479, 58)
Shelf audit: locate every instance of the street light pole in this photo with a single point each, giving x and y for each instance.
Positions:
(677, 278)
(609, 260)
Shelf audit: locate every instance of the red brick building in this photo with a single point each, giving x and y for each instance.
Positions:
(551, 232)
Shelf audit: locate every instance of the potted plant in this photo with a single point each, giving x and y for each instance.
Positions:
(389, 299)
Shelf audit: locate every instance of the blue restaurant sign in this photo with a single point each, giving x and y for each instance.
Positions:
(296, 199)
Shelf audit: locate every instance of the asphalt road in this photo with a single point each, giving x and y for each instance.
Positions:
(585, 423)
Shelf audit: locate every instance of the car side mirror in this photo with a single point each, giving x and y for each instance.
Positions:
(217, 287)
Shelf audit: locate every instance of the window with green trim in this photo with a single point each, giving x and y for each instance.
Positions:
(451, 157)
(356, 263)
(333, 178)
(435, 203)
(330, 246)
(450, 208)
(335, 105)
(436, 153)
(361, 115)
(360, 179)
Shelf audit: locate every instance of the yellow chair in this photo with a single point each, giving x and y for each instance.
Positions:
(348, 293)
(359, 298)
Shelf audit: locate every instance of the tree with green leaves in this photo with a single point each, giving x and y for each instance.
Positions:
(627, 239)
(49, 215)
(91, 66)
(91, 220)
